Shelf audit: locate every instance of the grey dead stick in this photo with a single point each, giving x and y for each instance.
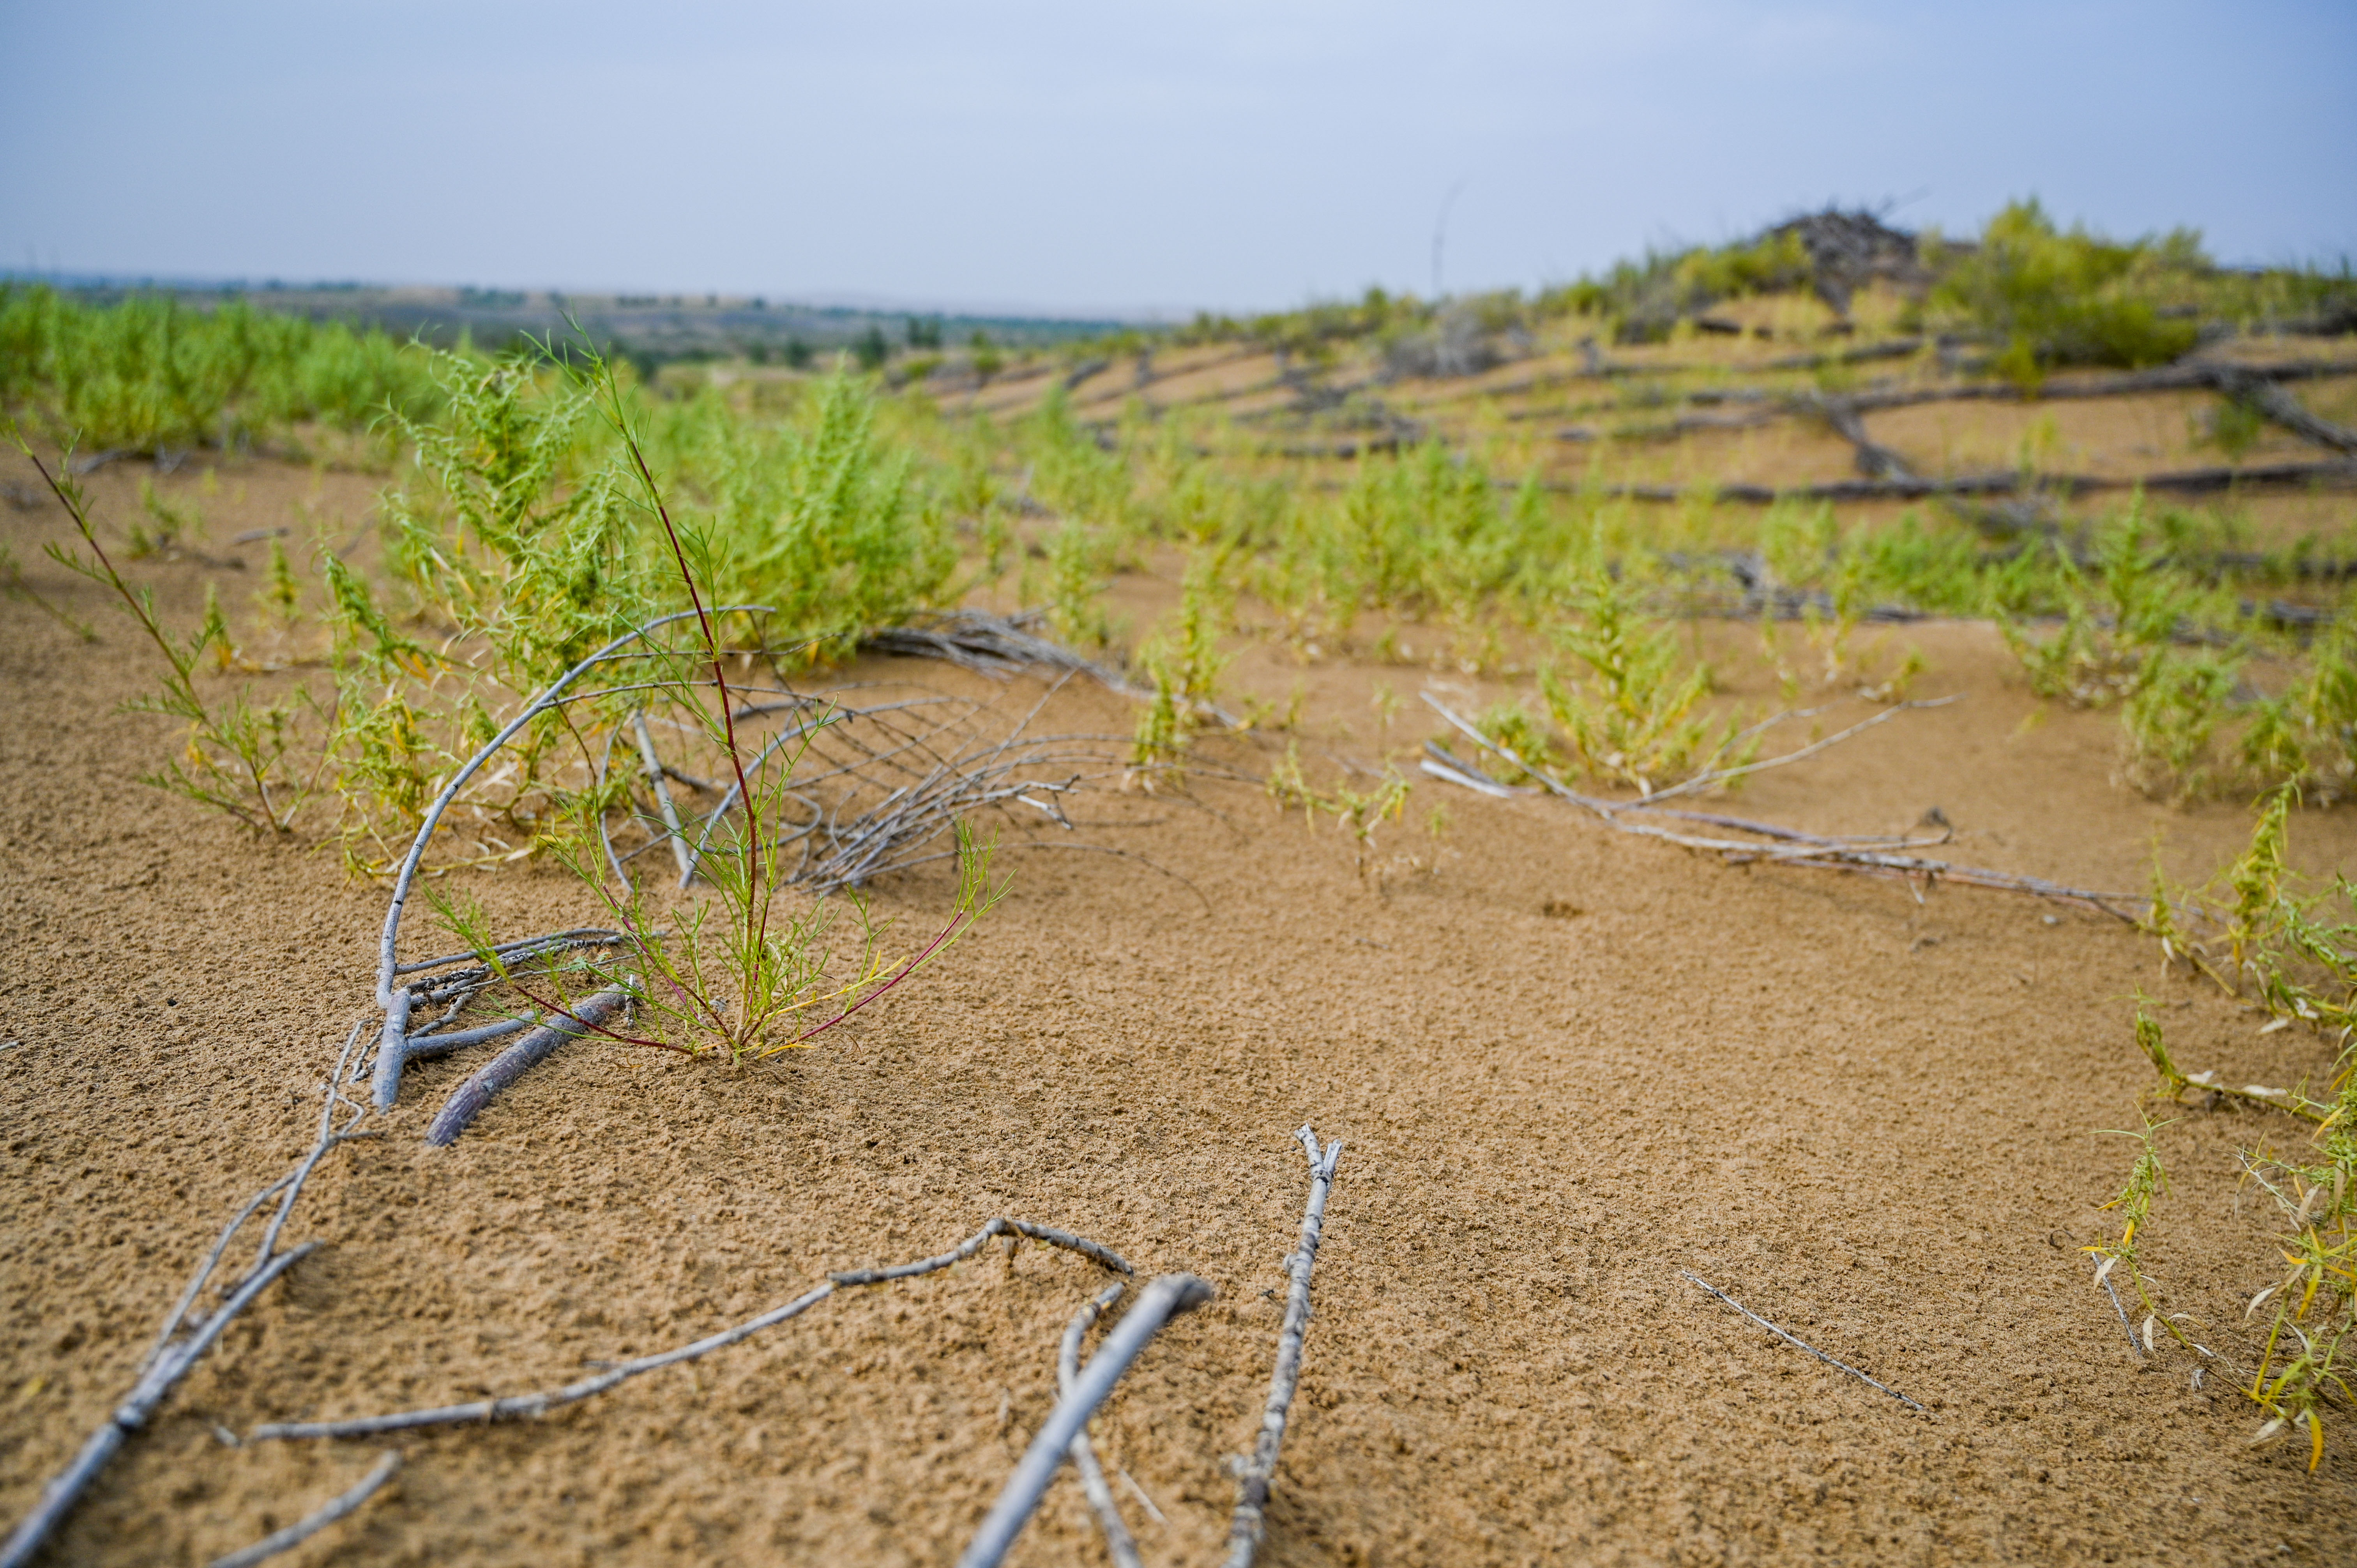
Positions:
(391, 1051)
(1158, 1303)
(1119, 1545)
(655, 770)
(60, 1496)
(1847, 855)
(467, 1101)
(426, 1047)
(295, 1534)
(518, 1406)
(169, 1358)
(1250, 1524)
(1792, 1339)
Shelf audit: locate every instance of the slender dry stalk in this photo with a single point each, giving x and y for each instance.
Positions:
(295, 1534)
(1792, 1339)
(1857, 855)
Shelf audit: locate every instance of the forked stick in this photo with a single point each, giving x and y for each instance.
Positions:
(1119, 1545)
(516, 1406)
(1250, 1524)
(1158, 1303)
(168, 1360)
(295, 1534)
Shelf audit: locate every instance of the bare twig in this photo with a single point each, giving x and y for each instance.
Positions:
(467, 1101)
(1712, 777)
(516, 1406)
(1250, 1524)
(295, 1534)
(1851, 854)
(1803, 1344)
(655, 772)
(522, 948)
(1161, 1300)
(996, 647)
(156, 1381)
(1119, 1545)
(422, 1047)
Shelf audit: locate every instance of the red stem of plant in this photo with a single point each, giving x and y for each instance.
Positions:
(90, 536)
(907, 970)
(760, 917)
(552, 1008)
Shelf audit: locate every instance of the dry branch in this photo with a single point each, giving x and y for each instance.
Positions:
(467, 1101)
(1804, 1345)
(1119, 1544)
(423, 1047)
(294, 1535)
(998, 646)
(2266, 397)
(655, 772)
(1161, 1300)
(1249, 1525)
(1864, 856)
(169, 1360)
(516, 1406)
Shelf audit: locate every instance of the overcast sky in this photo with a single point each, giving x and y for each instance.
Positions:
(1094, 156)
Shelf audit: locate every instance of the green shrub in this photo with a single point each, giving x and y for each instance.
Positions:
(2052, 299)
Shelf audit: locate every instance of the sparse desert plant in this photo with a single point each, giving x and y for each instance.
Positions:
(1076, 577)
(1632, 719)
(1357, 812)
(1183, 663)
(149, 374)
(2303, 1371)
(2117, 614)
(2301, 1367)
(2230, 424)
(2307, 737)
(233, 753)
(2146, 1180)
(2280, 942)
(2169, 721)
(174, 525)
(1511, 728)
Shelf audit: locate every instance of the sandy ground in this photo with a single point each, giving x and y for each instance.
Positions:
(1876, 1120)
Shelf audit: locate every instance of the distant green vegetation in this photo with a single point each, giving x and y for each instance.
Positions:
(2049, 299)
(149, 373)
(2041, 297)
(515, 541)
